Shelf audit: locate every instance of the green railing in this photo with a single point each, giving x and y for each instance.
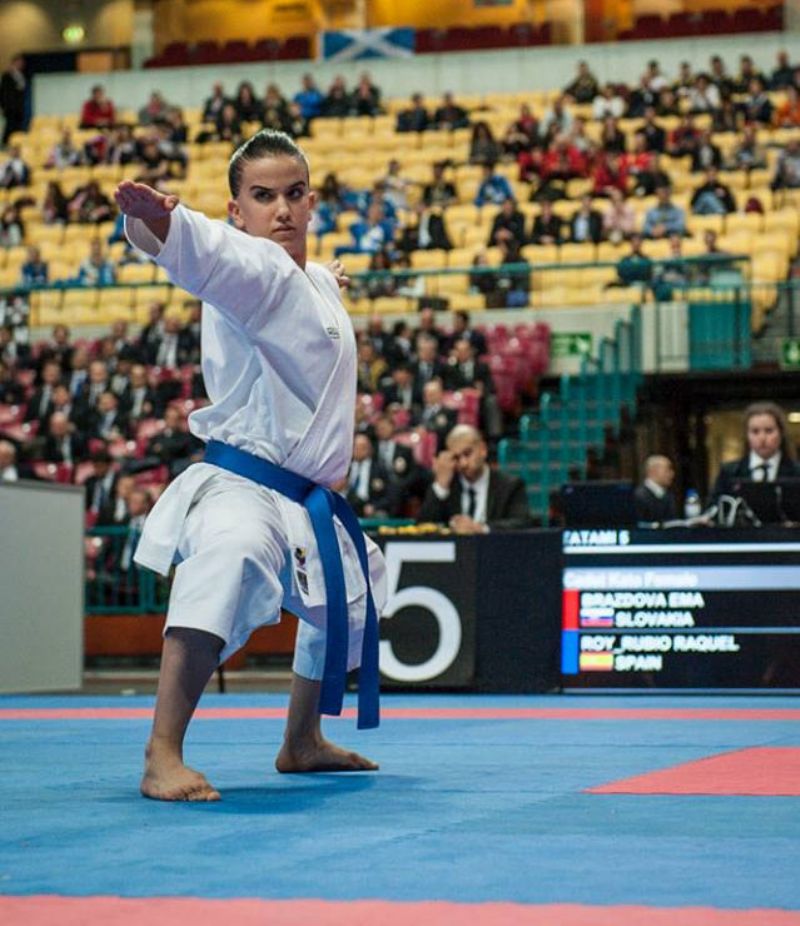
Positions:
(554, 444)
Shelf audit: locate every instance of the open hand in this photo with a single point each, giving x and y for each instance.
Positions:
(143, 202)
(336, 267)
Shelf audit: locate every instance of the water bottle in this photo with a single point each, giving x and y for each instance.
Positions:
(691, 506)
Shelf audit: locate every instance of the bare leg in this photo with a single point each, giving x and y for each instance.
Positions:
(188, 660)
(304, 748)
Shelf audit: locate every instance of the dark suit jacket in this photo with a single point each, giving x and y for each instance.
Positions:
(515, 223)
(595, 227)
(384, 494)
(34, 412)
(542, 228)
(421, 377)
(457, 377)
(649, 507)
(441, 423)
(52, 449)
(506, 504)
(730, 473)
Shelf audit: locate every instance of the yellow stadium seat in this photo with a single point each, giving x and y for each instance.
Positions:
(116, 303)
(429, 260)
(9, 276)
(136, 273)
(392, 305)
(697, 224)
(144, 296)
(471, 302)
(450, 283)
(578, 253)
(39, 234)
(541, 253)
(461, 257)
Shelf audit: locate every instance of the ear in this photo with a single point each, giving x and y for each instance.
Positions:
(235, 214)
(312, 199)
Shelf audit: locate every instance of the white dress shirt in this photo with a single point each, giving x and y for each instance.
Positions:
(757, 474)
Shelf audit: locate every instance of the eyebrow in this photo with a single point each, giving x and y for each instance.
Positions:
(258, 187)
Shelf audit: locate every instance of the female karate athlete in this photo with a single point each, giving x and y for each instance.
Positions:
(252, 527)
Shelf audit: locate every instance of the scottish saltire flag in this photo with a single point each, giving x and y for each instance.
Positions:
(356, 44)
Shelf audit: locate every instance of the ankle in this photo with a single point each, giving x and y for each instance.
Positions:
(161, 748)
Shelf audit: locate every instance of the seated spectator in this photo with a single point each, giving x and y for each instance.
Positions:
(213, 104)
(154, 163)
(120, 562)
(612, 138)
(98, 111)
(450, 115)
(12, 230)
(173, 347)
(173, 446)
(154, 110)
(14, 172)
(748, 72)
(427, 365)
(11, 392)
(63, 153)
(671, 273)
(685, 84)
(586, 224)
(96, 269)
(483, 149)
(15, 352)
(508, 224)
(609, 173)
(561, 162)
(55, 205)
(365, 100)
(62, 443)
(77, 373)
(655, 138)
(228, 126)
(90, 205)
(467, 495)
(310, 98)
(608, 103)
(706, 155)
(382, 283)
(296, 123)
(684, 139)
(370, 234)
(666, 104)
(399, 390)
(704, 96)
(371, 491)
(9, 469)
(116, 513)
(170, 147)
(547, 226)
(433, 416)
(719, 75)
(727, 118)
(748, 154)
(107, 421)
(665, 218)
(494, 188)
(394, 186)
(523, 133)
(58, 348)
(645, 174)
(275, 110)
(396, 459)
(464, 330)
(787, 170)
(783, 75)
(713, 197)
(40, 404)
(139, 400)
(787, 115)
(372, 369)
(35, 271)
(642, 97)
(427, 328)
(584, 88)
(429, 231)
(467, 372)
(337, 101)
(557, 120)
(757, 106)
(439, 192)
(248, 107)
(619, 219)
(635, 267)
(655, 503)
(415, 118)
(121, 146)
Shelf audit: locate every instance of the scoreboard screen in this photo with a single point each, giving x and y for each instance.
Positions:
(686, 608)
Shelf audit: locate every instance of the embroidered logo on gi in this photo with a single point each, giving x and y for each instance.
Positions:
(300, 571)
(332, 332)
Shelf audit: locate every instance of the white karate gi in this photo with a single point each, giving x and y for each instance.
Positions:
(279, 362)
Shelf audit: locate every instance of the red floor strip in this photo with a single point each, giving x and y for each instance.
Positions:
(166, 911)
(767, 771)
(414, 713)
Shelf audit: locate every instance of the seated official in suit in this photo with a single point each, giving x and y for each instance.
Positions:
(370, 490)
(469, 496)
(654, 500)
(770, 455)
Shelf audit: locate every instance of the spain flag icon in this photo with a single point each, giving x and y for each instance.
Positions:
(596, 662)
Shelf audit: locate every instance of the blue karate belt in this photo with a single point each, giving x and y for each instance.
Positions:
(322, 504)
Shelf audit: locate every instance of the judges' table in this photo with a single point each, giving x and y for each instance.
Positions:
(538, 610)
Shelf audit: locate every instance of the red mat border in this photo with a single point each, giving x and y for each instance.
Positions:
(166, 911)
(413, 713)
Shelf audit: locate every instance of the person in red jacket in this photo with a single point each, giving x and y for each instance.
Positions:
(98, 111)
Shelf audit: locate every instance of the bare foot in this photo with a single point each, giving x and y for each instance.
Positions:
(166, 778)
(320, 755)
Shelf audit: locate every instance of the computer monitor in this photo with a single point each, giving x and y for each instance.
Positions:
(771, 502)
(598, 504)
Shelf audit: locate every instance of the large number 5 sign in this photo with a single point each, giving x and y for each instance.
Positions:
(420, 596)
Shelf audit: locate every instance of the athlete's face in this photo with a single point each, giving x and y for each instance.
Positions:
(275, 202)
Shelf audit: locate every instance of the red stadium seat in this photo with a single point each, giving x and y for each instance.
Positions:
(53, 472)
(11, 414)
(466, 402)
